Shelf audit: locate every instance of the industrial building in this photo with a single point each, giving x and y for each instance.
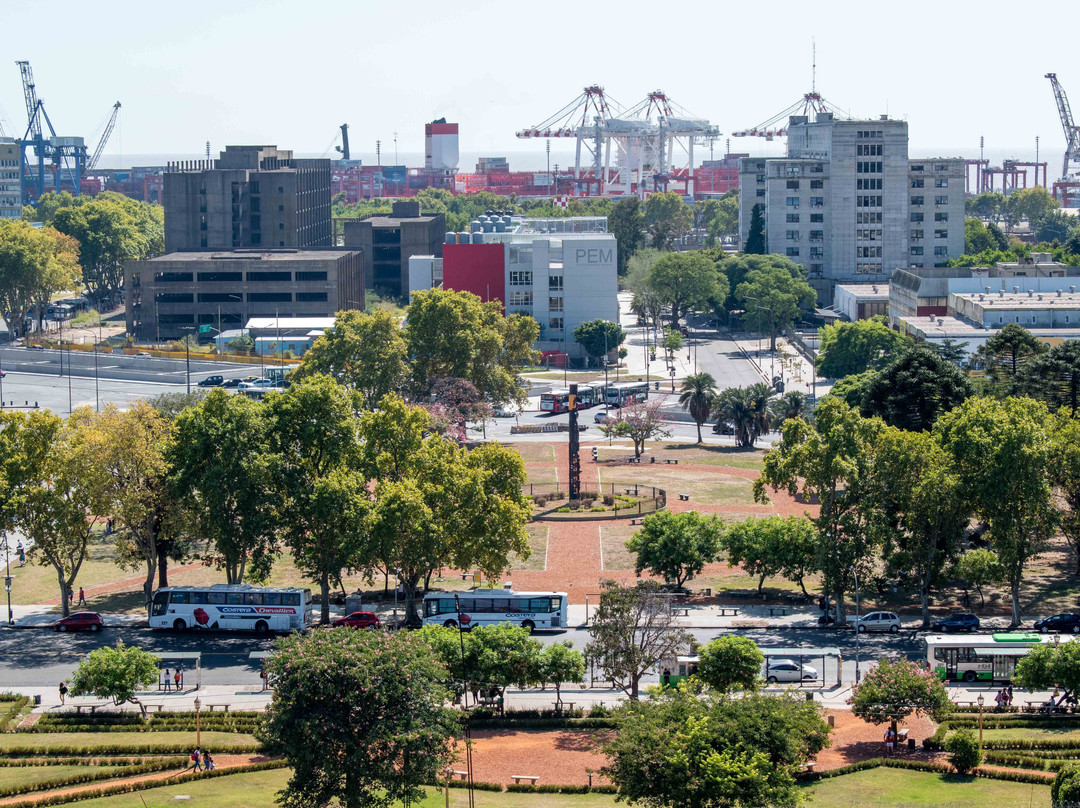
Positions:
(174, 294)
(251, 196)
(561, 272)
(388, 242)
(861, 301)
(10, 190)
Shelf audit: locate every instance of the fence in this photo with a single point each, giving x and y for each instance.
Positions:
(648, 499)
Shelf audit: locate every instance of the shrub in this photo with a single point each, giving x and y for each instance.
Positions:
(588, 503)
(1066, 787)
(573, 504)
(963, 750)
(599, 509)
(609, 499)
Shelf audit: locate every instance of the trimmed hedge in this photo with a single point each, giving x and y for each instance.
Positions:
(546, 723)
(19, 763)
(105, 751)
(87, 777)
(133, 722)
(528, 788)
(478, 785)
(924, 766)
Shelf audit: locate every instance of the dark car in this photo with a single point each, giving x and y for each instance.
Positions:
(80, 621)
(961, 621)
(35, 347)
(1067, 622)
(231, 383)
(212, 381)
(358, 620)
(3, 374)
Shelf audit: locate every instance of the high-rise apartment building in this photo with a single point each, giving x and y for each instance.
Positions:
(251, 196)
(849, 205)
(388, 242)
(10, 190)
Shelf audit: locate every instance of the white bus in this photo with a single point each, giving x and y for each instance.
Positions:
(482, 607)
(231, 607)
(618, 395)
(981, 657)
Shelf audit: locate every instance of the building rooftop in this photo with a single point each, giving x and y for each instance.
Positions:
(947, 326)
(308, 324)
(866, 291)
(276, 254)
(1037, 301)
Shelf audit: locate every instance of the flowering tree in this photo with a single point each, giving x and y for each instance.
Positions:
(897, 688)
(639, 422)
(359, 716)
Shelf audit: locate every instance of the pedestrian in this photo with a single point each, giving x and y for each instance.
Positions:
(21, 553)
(168, 681)
(177, 678)
(1009, 693)
(208, 762)
(196, 760)
(1000, 698)
(63, 692)
(71, 598)
(890, 740)
(82, 597)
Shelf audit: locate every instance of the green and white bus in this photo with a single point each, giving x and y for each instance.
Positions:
(981, 657)
(483, 607)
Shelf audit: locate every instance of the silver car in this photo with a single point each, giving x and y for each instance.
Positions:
(788, 670)
(877, 621)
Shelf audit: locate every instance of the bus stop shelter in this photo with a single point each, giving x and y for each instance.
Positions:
(184, 660)
(808, 656)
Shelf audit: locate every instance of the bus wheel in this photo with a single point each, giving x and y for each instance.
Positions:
(969, 676)
(179, 625)
(261, 627)
(529, 624)
(450, 624)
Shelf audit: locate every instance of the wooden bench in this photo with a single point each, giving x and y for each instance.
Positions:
(680, 612)
(157, 708)
(460, 774)
(724, 612)
(519, 777)
(902, 735)
(670, 461)
(781, 610)
(635, 521)
(224, 707)
(684, 497)
(808, 767)
(566, 705)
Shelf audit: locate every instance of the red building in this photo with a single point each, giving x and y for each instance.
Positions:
(476, 268)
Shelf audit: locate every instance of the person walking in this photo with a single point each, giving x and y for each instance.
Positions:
(208, 762)
(63, 692)
(22, 554)
(168, 681)
(196, 760)
(177, 678)
(82, 597)
(890, 740)
(1009, 693)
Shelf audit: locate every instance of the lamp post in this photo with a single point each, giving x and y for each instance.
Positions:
(198, 729)
(981, 699)
(7, 578)
(97, 386)
(856, 574)
(187, 355)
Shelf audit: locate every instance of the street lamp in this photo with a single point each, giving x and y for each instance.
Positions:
(198, 732)
(7, 578)
(856, 574)
(980, 700)
(187, 355)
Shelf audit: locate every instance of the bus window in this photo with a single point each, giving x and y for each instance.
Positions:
(272, 598)
(215, 598)
(234, 598)
(198, 597)
(482, 605)
(447, 606)
(161, 603)
(179, 597)
(540, 605)
(253, 598)
(291, 599)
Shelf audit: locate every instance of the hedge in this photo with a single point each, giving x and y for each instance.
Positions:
(546, 723)
(924, 766)
(479, 785)
(102, 751)
(18, 763)
(88, 777)
(528, 788)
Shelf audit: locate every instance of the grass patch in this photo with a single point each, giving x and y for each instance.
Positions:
(543, 474)
(109, 740)
(534, 452)
(538, 541)
(613, 540)
(707, 489)
(883, 786)
(715, 455)
(1033, 734)
(29, 775)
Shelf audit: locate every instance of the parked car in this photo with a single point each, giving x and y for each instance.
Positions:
(604, 419)
(788, 670)
(358, 620)
(961, 621)
(507, 411)
(35, 347)
(877, 621)
(143, 355)
(231, 383)
(256, 384)
(3, 374)
(724, 428)
(1064, 623)
(212, 381)
(251, 378)
(80, 621)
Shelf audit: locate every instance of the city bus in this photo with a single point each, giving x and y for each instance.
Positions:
(484, 607)
(232, 607)
(555, 401)
(618, 395)
(981, 657)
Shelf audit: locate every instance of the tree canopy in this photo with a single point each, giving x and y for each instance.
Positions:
(627, 223)
(667, 218)
(915, 389)
(897, 688)
(115, 672)
(757, 242)
(598, 337)
(774, 298)
(686, 281)
(849, 348)
(34, 264)
(676, 546)
(730, 662)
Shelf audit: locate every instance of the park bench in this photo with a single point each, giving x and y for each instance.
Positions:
(684, 497)
(634, 460)
(902, 735)
(460, 774)
(635, 521)
(519, 777)
(680, 611)
(778, 610)
(808, 767)
(724, 611)
(671, 460)
(93, 708)
(566, 705)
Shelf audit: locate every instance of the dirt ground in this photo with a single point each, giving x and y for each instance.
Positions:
(562, 757)
(852, 740)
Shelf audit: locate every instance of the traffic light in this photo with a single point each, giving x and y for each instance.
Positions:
(595, 454)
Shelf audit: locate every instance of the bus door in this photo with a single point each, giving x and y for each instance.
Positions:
(950, 655)
(1003, 667)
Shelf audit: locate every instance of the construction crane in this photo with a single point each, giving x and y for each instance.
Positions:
(67, 155)
(1072, 131)
(32, 104)
(343, 149)
(811, 104)
(104, 138)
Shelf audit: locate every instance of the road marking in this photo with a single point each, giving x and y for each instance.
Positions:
(600, 533)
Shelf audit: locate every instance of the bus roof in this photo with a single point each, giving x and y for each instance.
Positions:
(233, 588)
(494, 593)
(1001, 639)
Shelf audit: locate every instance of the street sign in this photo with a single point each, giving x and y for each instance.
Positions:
(205, 329)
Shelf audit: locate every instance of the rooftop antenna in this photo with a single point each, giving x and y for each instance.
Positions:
(813, 66)
(395, 149)
(208, 152)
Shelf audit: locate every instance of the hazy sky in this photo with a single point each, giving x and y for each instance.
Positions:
(271, 71)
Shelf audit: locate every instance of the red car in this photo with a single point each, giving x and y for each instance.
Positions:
(80, 621)
(358, 620)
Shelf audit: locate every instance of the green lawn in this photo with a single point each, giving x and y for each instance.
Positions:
(713, 455)
(131, 740)
(884, 786)
(258, 790)
(704, 489)
(538, 540)
(534, 452)
(1032, 734)
(28, 775)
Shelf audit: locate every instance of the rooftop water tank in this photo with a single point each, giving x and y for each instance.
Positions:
(500, 227)
(477, 238)
(450, 238)
(474, 226)
(489, 227)
(507, 219)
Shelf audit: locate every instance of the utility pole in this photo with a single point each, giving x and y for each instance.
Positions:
(575, 460)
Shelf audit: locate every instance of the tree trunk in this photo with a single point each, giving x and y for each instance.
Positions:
(1014, 586)
(924, 597)
(163, 568)
(408, 585)
(841, 618)
(634, 686)
(324, 588)
(802, 586)
(148, 584)
(760, 582)
(65, 610)
(698, 431)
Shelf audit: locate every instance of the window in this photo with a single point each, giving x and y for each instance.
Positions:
(793, 218)
(793, 201)
(941, 182)
(868, 217)
(917, 182)
(940, 167)
(916, 217)
(869, 167)
(817, 185)
(521, 255)
(269, 297)
(941, 251)
(173, 319)
(555, 283)
(816, 218)
(916, 250)
(555, 324)
(521, 277)
(174, 298)
(868, 201)
(311, 297)
(941, 217)
(817, 252)
(817, 201)
(793, 185)
(761, 192)
(941, 234)
(269, 276)
(761, 178)
(520, 299)
(791, 252)
(281, 225)
(792, 235)
(916, 235)
(868, 149)
(816, 269)
(916, 200)
(816, 168)
(219, 297)
(221, 277)
(817, 235)
(253, 187)
(868, 252)
(867, 268)
(918, 167)
(280, 189)
(555, 304)
(310, 276)
(941, 200)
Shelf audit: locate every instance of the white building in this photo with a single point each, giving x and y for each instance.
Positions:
(10, 191)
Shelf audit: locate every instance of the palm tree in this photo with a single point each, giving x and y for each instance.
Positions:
(698, 392)
(747, 409)
(790, 405)
(760, 396)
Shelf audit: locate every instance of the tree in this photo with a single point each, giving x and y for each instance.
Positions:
(359, 717)
(632, 630)
(495, 656)
(792, 404)
(116, 672)
(1001, 241)
(1005, 449)
(774, 299)
(852, 389)
(708, 751)
(639, 422)
(976, 238)
(599, 337)
(832, 462)
(1031, 204)
(897, 688)
(1004, 353)
(964, 751)
(756, 240)
(1066, 479)
(949, 350)
(1054, 227)
(686, 281)
(747, 409)
(223, 473)
(849, 348)
(627, 223)
(673, 342)
(455, 334)
(1052, 666)
(736, 267)
(676, 546)
(987, 205)
(774, 545)
(34, 264)
(1065, 790)
(698, 392)
(560, 664)
(366, 352)
(667, 218)
(979, 567)
(1054, 377)
(170, 405)
(921, 509)
(731, 662)
(915, 389)
(720, 217)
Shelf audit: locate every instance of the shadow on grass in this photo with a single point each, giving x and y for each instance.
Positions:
(714, 449)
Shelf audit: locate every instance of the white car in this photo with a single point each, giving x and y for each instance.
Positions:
(604, 419)
(788, 670)
(143, 355)
(258, 384)
(877, 621)
(507, 411)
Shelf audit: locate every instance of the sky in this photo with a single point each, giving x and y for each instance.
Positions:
(289, 73)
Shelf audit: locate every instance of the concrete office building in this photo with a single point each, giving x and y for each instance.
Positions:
(10, 190)
(861, 301)
(251, 196)
(388, 242)
(561, 272)
(842, 202)
(173, 294)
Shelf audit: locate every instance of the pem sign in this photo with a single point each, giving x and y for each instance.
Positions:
(594, 255)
